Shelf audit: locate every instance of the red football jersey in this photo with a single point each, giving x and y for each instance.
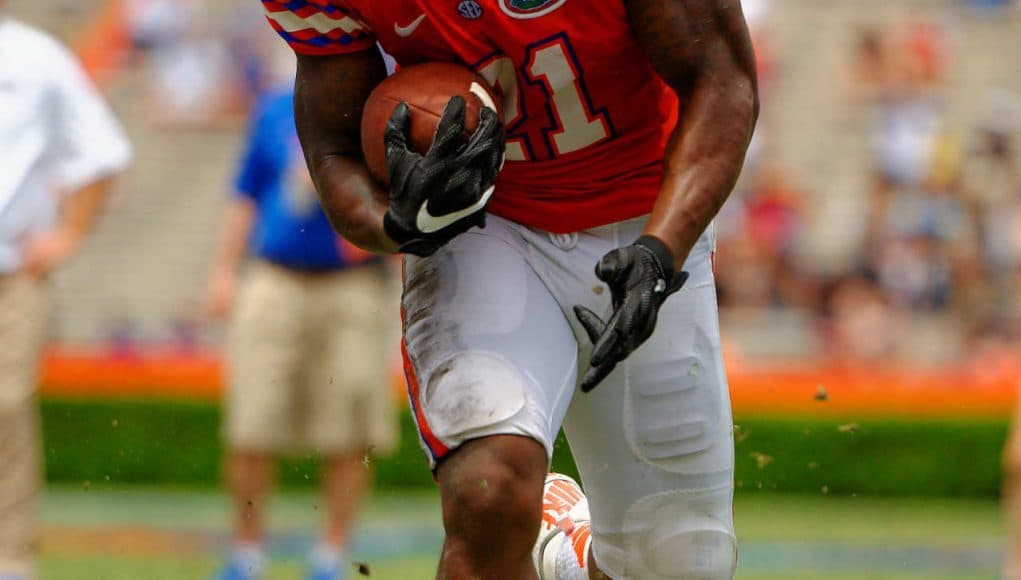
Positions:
(587, 117)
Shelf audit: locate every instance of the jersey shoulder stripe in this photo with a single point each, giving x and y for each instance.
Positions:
(318, 27)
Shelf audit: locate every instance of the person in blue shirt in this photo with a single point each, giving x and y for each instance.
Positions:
(306, 365)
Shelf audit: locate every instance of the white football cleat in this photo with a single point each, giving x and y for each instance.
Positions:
(565, 516)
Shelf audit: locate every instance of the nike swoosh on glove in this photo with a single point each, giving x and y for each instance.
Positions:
(641, 277)
(436, 196)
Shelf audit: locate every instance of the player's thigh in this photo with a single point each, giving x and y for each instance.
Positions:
(488, 350)
(654, 444)
(265, 351)
(350, 399)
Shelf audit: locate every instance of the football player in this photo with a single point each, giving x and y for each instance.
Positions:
(625, 127)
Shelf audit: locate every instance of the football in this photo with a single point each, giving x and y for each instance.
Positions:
(427, 88)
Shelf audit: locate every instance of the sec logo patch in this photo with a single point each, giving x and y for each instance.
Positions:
(529, 8)
(470, 9)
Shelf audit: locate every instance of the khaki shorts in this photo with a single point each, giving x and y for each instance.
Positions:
(307, 362)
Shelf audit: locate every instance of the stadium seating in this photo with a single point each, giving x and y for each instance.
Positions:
(148, 262)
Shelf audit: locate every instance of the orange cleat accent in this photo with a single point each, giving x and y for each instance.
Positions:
(565, 516)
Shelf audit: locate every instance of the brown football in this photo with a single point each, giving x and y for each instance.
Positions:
(426, 88)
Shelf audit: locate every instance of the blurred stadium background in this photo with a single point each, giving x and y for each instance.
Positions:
(869, 271)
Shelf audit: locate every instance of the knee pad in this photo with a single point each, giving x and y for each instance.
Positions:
(685, 535)
(469, 392)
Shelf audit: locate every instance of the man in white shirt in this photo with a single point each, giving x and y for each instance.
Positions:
(60, 149)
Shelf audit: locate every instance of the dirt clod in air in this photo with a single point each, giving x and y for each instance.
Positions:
(761, 459)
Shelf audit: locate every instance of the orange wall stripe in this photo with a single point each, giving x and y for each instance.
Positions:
(834, 391)
(89, 373)
(820, 389)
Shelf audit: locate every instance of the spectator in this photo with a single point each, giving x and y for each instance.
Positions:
(907, 127)
(197, 79)
(923, 235)
(862, 326)
(306, 361)
(909, 116)
(760, 269)
(924, 46)
(190, 86)
(62, 149)
(992, 179)
(154, 24)
(773, 214)
(869, 66)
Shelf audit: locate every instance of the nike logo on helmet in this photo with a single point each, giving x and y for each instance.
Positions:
(406, 31)
(428, 223)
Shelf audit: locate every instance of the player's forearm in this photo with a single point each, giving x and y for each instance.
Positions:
(349, 197)
(237, 229)
(702, 49)
(703, 164)
(330, 94)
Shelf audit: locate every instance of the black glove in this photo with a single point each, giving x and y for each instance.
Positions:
(640, 277)
(444, 193)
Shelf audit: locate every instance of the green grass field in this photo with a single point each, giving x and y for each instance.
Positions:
(120, 534)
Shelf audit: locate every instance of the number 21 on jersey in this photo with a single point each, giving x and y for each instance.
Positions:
(550, 66)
